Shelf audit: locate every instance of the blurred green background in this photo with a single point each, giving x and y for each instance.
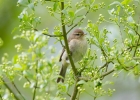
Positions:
(8, 20)
(127, 86)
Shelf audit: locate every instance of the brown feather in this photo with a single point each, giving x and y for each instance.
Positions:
(63, 50)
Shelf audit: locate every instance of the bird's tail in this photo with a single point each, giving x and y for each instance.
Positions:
(62, 73)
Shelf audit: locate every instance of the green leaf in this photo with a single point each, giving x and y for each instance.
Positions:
(95, 27)
(130, 19)
(79, 10)
(71, 13)
(15, 59)
(131, 63)
(81, 82)
(23, 15)
(17, 67)
(14, 30)
(55, 6)
(37, 20)
(111, 11)
(115, 3)
(126, 2)
(31, 6)
(37, 35)
(64, 11)
(23, 2)
(33, 56)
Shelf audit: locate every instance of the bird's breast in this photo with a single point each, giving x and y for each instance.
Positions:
(80, 50)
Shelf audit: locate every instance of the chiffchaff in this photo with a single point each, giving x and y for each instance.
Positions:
(77, 46)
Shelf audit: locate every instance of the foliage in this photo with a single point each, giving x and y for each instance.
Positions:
(37, 69)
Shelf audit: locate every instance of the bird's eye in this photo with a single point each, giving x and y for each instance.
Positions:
(77, 34)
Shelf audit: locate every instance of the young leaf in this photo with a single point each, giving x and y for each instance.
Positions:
(126, 2)
(71, 13)
(111, 11)
(81, 82)
(130, 19)
(79, 10)
(55, 6)
(23, 2)
(31, 6)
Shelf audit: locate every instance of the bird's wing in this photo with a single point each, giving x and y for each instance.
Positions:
(63, 50)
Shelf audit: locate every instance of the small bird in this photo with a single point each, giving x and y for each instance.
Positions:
(77, 46)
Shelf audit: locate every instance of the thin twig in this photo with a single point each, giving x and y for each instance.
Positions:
(36, 84)
(52, 35)
(103, 66)
(35, 87)
(107, 73)
(105, 55)
(75, 91)
(68, 94)
(27, 79)
(130, 48)
(86, 79)
(121, 64)
(17, 90)
(136, 47)
(60, 42)
(11, 91)
(120, 32)
(81, 70)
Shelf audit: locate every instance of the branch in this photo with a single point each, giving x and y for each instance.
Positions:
(17, 90)
(107, 73)
(75, 91)
(136, 31)
(136, 46)
(130, 48)
(105, 55)
(11, 91)
(122, 64)
(106, 64)
(35, 87)
(27, 79)
(52, 35)
(86, 79)
(36, 84)
(65, 40)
